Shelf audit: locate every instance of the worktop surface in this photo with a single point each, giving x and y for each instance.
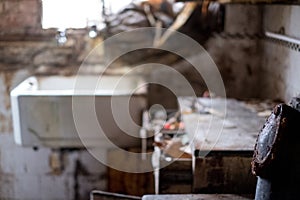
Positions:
(195, 197)
(231, 128)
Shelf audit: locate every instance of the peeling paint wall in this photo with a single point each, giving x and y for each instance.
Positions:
(25, 49)
(26, 173)
(280, 66)
(8, 79)
(238, 58)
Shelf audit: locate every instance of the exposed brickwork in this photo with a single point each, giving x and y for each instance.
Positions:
(17, 16)
(1, 7)
(24, 47)
(33, 54)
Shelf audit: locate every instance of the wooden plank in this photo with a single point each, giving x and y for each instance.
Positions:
(195, 197)
(176, 178)
(101, 195)
(224, 173)
(127, 183)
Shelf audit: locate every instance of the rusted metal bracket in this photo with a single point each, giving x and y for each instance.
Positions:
(276, 159)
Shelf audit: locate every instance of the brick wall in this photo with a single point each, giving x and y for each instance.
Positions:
(26, 49)
(20, 16)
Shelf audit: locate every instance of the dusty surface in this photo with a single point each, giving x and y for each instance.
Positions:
(194, 197)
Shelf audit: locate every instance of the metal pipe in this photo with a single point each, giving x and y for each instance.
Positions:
(276, 159)
(282, 37)
(263, 189)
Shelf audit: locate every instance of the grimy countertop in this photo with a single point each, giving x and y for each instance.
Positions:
(234, 127)
(194, 197)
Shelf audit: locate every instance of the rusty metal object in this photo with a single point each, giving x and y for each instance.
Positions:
(295, 103)
(276, 159)
(274, 140)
